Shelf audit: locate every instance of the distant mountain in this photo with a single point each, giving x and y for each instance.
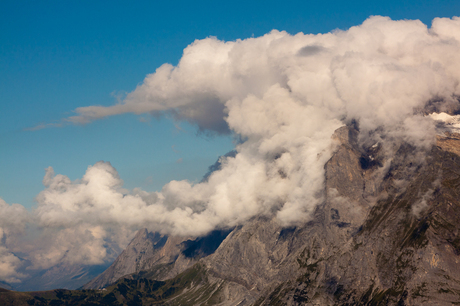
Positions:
(5, 285)
(387, 233)
(217, 165)
(62, 275)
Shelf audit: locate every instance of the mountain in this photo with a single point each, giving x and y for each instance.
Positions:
(386, 233)
(165, 256)
(62, 275)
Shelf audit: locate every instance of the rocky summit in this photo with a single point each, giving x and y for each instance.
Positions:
(386, 233)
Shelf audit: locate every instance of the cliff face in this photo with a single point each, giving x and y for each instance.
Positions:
(387, 237)
(387, 233)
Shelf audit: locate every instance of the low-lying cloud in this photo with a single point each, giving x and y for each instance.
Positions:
(284, 95)
(13, 219)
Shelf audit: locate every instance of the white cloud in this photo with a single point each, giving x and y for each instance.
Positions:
(85, 244)
(13, 219)
(285, 95)
(376, 72)
(424, 201)
(9, 264)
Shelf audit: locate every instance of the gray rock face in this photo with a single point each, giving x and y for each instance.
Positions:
(256, 256)
(144, 251)
(387, 233)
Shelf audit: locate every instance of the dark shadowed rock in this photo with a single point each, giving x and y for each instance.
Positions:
(217, 165)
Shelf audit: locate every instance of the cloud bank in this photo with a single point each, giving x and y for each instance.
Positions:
(284, 95)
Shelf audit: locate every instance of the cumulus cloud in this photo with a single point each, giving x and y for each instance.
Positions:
(284, 95)
(9, 264)
(377, 72)
(13, 219)
(83, 244)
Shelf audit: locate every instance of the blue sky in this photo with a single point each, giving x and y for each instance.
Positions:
(56, 56)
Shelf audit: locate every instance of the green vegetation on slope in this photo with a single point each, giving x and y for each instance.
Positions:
(129, 292)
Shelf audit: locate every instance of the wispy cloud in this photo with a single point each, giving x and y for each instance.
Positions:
(46, 125)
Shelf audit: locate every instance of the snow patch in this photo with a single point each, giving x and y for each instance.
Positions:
(451, 123)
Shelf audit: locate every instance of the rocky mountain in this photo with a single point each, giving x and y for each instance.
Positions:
(163, 256)
(387, 233)
(403, 250)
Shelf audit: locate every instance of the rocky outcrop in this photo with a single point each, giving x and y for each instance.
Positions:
(142, 252)
(449, 142)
